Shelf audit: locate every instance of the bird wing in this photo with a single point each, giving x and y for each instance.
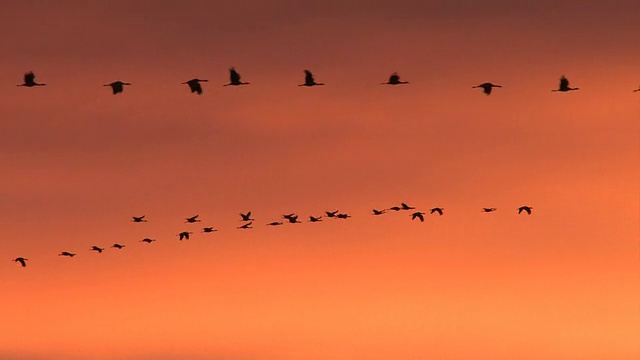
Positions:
(564, 83)
(234, 76)
(29, 77)
(308, 78)
(394, 78)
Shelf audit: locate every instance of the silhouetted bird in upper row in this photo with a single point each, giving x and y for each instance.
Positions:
(30, 80)
(246, 217)
(96, 248)
(564, 85)
(436, 209)
(21, 260)
(234, 78)
(418, 215)
(66, 253)
(184, 235)
(486, 87)
(139, 219)
(117, 86)
(314, 219)
(394, 79)
(147, 240)
(192, 219)
(208, 229)
(117, 246)
(331, 213)
(309, 80)
(487, 210)
(378, 212)
(525, 208)
(246, 226)
(194, 85)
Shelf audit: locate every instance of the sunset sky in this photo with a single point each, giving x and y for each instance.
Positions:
(76, 162)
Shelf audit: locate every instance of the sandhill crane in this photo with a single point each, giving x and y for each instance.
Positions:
(147, 240)
(30, 80)
(314, 219)
(192, 219)
(117, 86)
(194, 85)
(208, 229)
(289, 216)
(138, 219)
(486, 87)
(394, 79)
(418, 215)
(564, 85)
(378, 212)
(636, 90)
(184, 235)
(234, 78)
(97, 248)
(395, 208)
(331, 213)
(525, 208)
(436, 210)
(21, 260)
(309, 79)
(488, 210)
(246, 217)
(343, 216)
(246, 226)
(406, 207)
(293, 219)
(66, 253)
(117, 246)
(275, 223)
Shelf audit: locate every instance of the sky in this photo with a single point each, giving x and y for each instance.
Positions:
(78, 162)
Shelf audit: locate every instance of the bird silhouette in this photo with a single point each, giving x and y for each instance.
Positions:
(406, 207)
(343, 216)
(184, 235)
(208, 229)
(394, 79)
(293, 219)
(309, 80)
(314, 219)
(194, 85)
(564, 85)
(30, 80)
(395, 208)
(21, 260)
(331, 213)
(275, 223)
(288, 216)
(378, 212)
(138, 219)
(147, 240)
(117, 86)
(234, 78)
(192, 219)
(488, 210)
(117, 246)
(66, 253)
(436, 210)
(418, 215)
(246, 226)
(636, 90)
(246, 217)
(486, 87)
(525, 208)
(97, 248)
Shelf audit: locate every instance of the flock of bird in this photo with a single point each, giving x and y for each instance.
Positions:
(291, 218)
(195, 85)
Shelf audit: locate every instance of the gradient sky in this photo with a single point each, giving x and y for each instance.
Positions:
(78, 162)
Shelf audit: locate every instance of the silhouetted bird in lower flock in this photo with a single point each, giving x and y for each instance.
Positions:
(488, 210)
(66, 253)
(309, 80)
(525, 208)
(564, 85)
(234, 78)
(192, 219)
(331, 213)
(395, 208)
(117, 246)
(314, 219)
(194, 85)
(138, 219)
(208, 229)
(275, 223)
(246, 217)
(394, 79)
(21, 260)
(184, 235)
(343, 216)
(293, 219)
(406, 207)
(246, 226)
(117, 86)
(30, 80)
(288, 216)
(97, 248)
(378, 212)
(147, 240)
(436, 209)
(418, 215)
(486, 87)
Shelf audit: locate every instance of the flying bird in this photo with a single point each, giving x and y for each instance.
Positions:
(309, 80)
(97, 248)
(21, 260)
(275, 223)
(395, 208)
(486, 87)
(66, 253)
(30, 80)
(525, 208)
(184, 235)
(406, 207)
(394, 79)
(192, 219)
(293, 219)
(117, 86)
(331, 213)
(564, 85)
(194, 85)
(147, 240)
(246, 217)
(418, 215)
(343, 216)
(117, 246)
(289, 216)
(436, 210)
(234, 78)
(246, 226)
(208, 229)
(138, 219)
(488, 210)
(314, 219)
(636, 90)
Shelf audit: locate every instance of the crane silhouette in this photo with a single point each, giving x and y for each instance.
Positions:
(289, 216)
(309, 80)
(246, 217)
(315, 219)
(66, 253)
(234, 78)
(246, 226)
(192, 219)
(138, 219)
(488, 210)
(184, 235)
(30, 80)
(395, 208)
(418, 215)
(97, 249)
(117, 86)
(343, 216)
(525, 208)
(564, 85)
(194, 85)
(117, 246)
(378, 212)
(636, 90)
(21, 260)
(406, 207)
(436, 210)
(486, 87)
(331, 213)
(293, 219)
(208, 230)
(147, 240)
(275, 223)
(394, 79)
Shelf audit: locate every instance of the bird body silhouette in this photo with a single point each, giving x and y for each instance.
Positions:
(406, 207)
(418, 215)
(246, 217)
(138, 219)
(192, 219)
(488, 210)
(30, 80)
(97, 249)
(234, 78)
(246, 226)
(636, 90)
(194, 85)
(309, 80)
(184, 235)
(564, 85)
(331, 213)
(293, 219)
(117, 86)
(147, 240)
(395, 208)
(486, 87)
(394, 79)
(275, 223)
(378, 212)
(314, 219)
(208, 229)
(21, 260)
(525, 208)
(343, 216)
(66, 253)
(436, 210)
(117, 246)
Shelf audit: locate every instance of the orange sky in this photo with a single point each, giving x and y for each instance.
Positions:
(78, 162)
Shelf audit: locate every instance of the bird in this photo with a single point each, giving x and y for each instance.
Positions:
(30, 80)
(117, 246)
(525, 208)
(314, 219)
(66, 253)
(192, 219)
(246, 226)
(138, 219)
(394, 79)
(147, 240)
(234, 78)
(246, 217)
(395, 208)
(117, 86)
(488, 210)
(21, 260)
(564, 85)
(378, 212)
(343, 216)
(418, 215)
(275, 223)
(436, 210)
(309, 80)
(184, 235)
(331, 213)
(208, 229)
(406, 207)
(288, 216)
(636, 90)
(293, 219)
(97, 248)
(194, 85)
(486, 87)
